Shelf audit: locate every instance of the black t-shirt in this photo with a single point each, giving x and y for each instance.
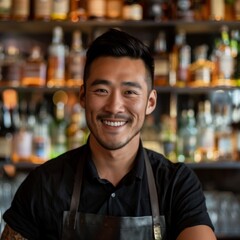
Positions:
(37, 209)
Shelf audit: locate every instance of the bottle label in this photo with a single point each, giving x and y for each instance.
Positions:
(203, 75)
(11, 74)
(36, 70)
(23, 144)
(225, 146)
(6, 146)
(161, 67)
(114, 9)
(21, 8)
(237, 9)
(96, 8)
(60, 7)
(76, 64)
(42, 8)
(5, 5)
(226, 66)
(206, 140)
(133, 12)
(217, 9)
(57, 68)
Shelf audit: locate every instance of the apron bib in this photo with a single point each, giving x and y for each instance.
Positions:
(84, 226)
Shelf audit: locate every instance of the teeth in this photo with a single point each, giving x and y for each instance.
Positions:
(114, 124)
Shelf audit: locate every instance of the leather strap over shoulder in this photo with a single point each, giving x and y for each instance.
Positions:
(72, 218)
(153, 199)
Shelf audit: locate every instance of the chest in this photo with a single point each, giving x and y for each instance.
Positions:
(129, 198)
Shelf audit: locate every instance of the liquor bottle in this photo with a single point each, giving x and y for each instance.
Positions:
(56, 59)
(168, 137)
(205, 129)
(22, 139)
(41, 144)
(187, 137)
(34, 69)
(12, 67)
(235, 118)
(235, 47)
(150, 134)
(96, 9)
(5, 9)
(20, 10)
(78, 10)
(76, 61)
(217, 10)
(6, 135)
(42, 9)
(114, 9)
(2, 58)
(58, 131)
(132, 10)
(237, 10)
(60, 9)
(223, 133)
(184, 10)
(181, 58)
(224, 61)
(236, 134)
(161, 60)
(201, 70)
(77, 131)
(157, 10)
(201, 10)
(229, 10)
(8, 125)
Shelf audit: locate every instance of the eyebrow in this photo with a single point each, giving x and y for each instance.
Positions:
(106, 82)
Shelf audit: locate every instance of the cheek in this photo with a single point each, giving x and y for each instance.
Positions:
(139, 107)
(93, 104)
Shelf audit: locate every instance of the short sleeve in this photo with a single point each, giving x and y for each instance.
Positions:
(23, 212)
(188, 201)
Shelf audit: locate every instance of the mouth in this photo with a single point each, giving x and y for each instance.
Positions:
(114, 123)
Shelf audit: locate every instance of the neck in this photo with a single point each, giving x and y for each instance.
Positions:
(113, 165)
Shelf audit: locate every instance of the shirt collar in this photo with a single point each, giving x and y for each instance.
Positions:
(137, 170)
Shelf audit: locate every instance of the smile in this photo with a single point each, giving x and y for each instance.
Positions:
(114, 124)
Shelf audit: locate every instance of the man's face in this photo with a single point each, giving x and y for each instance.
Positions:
(116, 100)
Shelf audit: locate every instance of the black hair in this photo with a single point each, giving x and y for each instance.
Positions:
(117, 43)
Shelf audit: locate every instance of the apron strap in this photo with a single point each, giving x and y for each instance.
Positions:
(153, 198)
(72, 218)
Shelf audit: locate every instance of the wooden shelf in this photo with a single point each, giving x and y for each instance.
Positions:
(36, 27)
(40, 89)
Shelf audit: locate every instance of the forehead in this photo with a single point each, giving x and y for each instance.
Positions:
(117, 68)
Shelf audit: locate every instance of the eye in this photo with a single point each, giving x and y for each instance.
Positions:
(101, 91)
(131, 93)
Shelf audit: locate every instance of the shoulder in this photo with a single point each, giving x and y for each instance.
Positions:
(53, 178)
(64, 163)
(170, 169)
(170, 177)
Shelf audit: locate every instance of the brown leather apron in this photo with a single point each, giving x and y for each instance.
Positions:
(98, 227)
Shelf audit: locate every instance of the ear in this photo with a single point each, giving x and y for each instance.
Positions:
(152, 102)
(82, 96)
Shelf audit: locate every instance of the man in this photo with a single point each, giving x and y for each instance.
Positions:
(112, 188)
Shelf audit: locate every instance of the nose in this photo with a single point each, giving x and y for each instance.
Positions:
(115, 103)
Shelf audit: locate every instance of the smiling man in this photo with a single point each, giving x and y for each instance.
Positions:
(112, 188)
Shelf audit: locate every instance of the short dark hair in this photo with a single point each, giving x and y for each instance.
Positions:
(117, 43)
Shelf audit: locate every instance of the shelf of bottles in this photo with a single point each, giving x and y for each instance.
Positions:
(196, 51)
(196, 46)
